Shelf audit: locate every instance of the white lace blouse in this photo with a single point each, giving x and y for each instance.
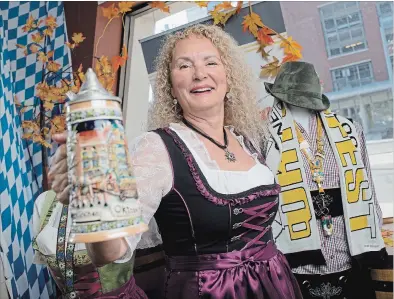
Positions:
(154, 176)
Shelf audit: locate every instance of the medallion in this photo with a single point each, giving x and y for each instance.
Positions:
(230, 157)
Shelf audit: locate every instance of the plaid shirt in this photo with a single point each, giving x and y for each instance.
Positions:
(335, 248)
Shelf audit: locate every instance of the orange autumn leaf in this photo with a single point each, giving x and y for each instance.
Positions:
(45, 131)
(48, 106)
(37, 38)
(30, 24)
(290, 57)
(80, 73)
(201, 3)
(27, 136)
(251, 21)
(228, 15)
(53, 66)
(40, 139)
(125, 6)
(46, 144)
(42, 90)
(30, 125)
(264, 37)
(239, 6)
(42, 57)
(217, 16)
(103, 66)
(33, 48)
(270, 69)
(290, 46)
(50, 21)
(110, 11)
(71, 46)
(160, 5)
(48, 32)
(225, 5)
(221, 17)
(118, 61)
(50, 54)
(78, 38)
(58, 124)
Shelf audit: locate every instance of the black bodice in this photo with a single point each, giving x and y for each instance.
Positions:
(195, 219)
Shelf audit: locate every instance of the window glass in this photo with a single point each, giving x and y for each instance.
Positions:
(342, 21)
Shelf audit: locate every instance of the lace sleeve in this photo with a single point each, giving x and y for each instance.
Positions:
(153, 172)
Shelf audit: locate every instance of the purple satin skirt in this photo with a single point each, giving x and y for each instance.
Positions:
(128, 291)
(261, 272)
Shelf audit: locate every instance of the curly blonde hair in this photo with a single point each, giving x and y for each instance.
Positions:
(241, 109)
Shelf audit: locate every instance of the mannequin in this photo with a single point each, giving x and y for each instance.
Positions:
(301, 116)
(315, 226)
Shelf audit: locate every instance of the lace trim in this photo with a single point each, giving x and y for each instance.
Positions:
(241, 141)
(210, 194)
(196, 144)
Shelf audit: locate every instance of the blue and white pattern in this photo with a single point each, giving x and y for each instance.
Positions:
(20, 161)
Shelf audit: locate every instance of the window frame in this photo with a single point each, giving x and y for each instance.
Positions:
(349, 66)
(340, 29)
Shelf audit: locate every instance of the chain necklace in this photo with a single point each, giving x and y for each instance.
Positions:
(322, 200)
(230, 157)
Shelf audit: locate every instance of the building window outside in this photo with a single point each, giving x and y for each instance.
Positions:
(385, 9)
(352, 76)
(385, 13)
(181, 18)
(343, 28)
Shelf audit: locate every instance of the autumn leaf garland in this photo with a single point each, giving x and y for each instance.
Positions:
(50, 94)
(292, 50)
(252, 23)
(106, 68)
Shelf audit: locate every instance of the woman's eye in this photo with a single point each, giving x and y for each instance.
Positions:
(183, 66)
(212, 63)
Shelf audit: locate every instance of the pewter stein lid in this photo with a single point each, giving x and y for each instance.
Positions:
(91, 90)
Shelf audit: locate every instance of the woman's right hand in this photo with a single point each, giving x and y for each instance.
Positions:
(57, 176)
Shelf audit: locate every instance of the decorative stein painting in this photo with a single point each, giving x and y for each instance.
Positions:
(104, 200)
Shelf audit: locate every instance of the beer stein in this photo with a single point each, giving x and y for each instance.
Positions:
(103, 201)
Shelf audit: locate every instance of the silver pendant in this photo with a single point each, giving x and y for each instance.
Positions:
(322, 202)
(230, 157)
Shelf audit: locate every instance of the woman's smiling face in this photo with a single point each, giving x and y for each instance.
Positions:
(198, 76)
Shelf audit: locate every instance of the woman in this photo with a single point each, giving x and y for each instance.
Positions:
(202, 177)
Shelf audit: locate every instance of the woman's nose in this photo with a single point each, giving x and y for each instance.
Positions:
(199, 73)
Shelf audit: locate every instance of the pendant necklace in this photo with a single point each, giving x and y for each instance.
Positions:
(322, 200)
(230, 157)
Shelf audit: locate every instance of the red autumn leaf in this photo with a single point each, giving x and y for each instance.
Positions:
(110, 11)
(264, 37)
(290, 57)
(118, 61)
(239, 6)
(226, 5)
